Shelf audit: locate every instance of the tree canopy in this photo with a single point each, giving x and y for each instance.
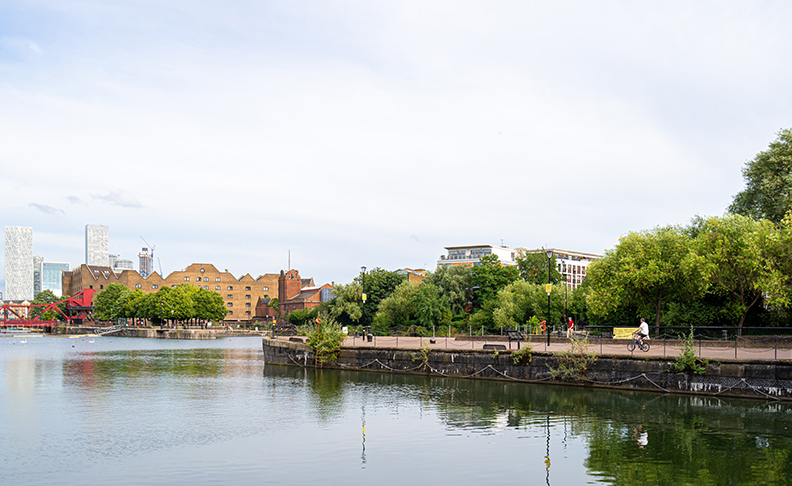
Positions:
(768, 178)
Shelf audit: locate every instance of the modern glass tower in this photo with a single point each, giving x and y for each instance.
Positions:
(97, 245)
(52, 277)
(18, 263)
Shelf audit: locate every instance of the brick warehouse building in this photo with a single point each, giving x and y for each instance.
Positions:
(240, 295)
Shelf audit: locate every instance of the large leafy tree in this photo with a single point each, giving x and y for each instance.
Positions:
(768, 178)
(735, 252)
(107, 303)
(534, 268)
(490, 276)
(208, 305)
(521, 300)
(47, 297)
(410, 304)
(451, 282)
(646, 268)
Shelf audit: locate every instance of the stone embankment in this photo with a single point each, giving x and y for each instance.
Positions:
(744, 378)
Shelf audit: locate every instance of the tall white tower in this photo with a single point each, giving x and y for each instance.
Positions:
(97, 245)
(18, 263)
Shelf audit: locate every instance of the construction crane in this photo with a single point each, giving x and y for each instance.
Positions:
(152, 248)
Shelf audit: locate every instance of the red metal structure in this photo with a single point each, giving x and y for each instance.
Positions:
(78, 308)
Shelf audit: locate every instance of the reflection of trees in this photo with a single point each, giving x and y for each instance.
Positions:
(691, 440)
(112, 366)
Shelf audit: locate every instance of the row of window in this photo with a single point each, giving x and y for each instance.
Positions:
(231, 313)
(231, 304)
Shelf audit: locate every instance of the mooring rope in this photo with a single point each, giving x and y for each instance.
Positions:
(427, 366)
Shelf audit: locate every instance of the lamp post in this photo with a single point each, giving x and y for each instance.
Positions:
(549, 254)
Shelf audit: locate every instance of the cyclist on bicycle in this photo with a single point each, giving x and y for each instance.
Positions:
(642, 333)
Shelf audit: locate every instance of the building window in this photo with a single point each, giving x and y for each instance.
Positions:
(186, 279)
(217, 279)
(217, 287)
(206, 287)
(247, 289)
(230, 304)
(101, 287)
(247, 304)
(266, 288)
(173, 286)
(199, 286)
(202, 270)
(154, 286)
(247, 313)
(230, 287)
(230, 313)
(229, 296)
(247, 296)
(137, 286)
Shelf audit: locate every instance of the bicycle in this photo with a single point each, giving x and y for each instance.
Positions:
(643, 345)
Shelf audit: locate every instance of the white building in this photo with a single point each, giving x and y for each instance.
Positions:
(18, 263)
(97, 245)
(571, 264)
(471, 255)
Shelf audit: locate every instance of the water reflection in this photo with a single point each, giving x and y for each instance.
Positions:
(630, 437)
(126, 410)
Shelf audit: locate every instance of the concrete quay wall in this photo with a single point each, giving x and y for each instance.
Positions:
(767, 380)
(166, 333)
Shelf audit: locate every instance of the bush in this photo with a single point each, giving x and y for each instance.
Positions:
(325, 338)
(575, 362)
(688, 361)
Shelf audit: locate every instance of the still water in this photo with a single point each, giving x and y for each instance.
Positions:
(136, 411)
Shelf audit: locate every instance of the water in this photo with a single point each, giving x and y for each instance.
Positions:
(135, 411)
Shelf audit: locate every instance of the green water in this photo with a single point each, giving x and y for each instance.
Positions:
(136, 411)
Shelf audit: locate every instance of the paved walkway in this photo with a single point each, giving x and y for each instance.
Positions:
(710, 350)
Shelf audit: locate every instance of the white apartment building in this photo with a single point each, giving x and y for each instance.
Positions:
(18, 263)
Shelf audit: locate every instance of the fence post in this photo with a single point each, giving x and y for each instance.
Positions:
(736, 337)
(775, 345)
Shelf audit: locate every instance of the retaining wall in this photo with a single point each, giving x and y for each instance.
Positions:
(770, 380)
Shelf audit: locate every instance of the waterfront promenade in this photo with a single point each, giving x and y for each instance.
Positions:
(747, 350)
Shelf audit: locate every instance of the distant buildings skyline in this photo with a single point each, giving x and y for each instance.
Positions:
(97, 245)
(18, 271)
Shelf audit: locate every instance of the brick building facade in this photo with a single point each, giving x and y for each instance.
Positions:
(240, 295)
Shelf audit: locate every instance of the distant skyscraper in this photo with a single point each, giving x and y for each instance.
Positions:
(18, 263)
(97, 244)
(37, 261)
(52, 277)
(146, 262)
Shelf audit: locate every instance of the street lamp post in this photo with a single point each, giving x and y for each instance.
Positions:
(549, 254)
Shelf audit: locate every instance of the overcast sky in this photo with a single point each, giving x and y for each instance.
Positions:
(353, 133)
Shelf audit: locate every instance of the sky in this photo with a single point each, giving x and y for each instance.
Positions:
(329, 135)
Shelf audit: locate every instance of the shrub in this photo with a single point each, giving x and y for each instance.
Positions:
(325, 338)
(575, 362)
(688, 361)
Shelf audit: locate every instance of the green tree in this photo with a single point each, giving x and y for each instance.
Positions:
(107, 303)
(490, 276)
(533, 268)
(43, 298)
(410, 304)
(132, 304)
(734, 250)
(378, 285)
(208, 305)
(347, 305)
(521, 300)
(768, 178)
(451, 282)
(647, 268)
